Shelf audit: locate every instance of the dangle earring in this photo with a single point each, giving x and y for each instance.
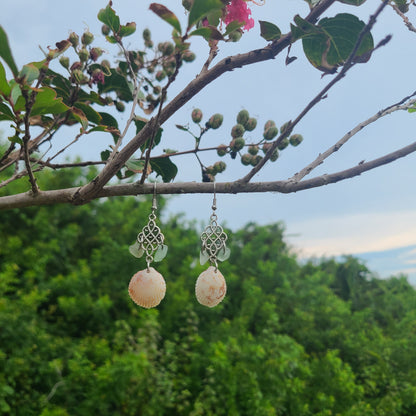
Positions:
(147, 287)
(210, 286)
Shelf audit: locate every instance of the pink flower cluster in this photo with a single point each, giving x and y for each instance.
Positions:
(238, 10)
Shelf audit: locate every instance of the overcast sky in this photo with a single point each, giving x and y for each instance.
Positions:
(372, 215)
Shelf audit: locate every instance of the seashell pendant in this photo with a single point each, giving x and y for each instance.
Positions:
(210, 287)
(147, 288)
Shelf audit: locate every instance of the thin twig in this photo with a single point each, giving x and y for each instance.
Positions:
(406, 20)
(349, 63)
(320, 159)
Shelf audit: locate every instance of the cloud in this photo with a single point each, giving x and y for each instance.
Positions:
(354, 234)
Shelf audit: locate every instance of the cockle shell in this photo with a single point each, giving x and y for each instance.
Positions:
(210, 287)
(147, 288)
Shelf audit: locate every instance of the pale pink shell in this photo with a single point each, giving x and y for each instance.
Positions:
(210, 287)
(147, 288)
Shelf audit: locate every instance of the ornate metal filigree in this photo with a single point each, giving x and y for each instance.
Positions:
(214, 241)
(150, 240)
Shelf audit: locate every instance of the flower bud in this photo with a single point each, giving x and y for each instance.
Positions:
(222, 150)
(219, 166)
(253, 150)
(79, 77)
(188, 56)
(274, 155)
(83, 54)
(235, 36)
(146, 34)
(106, 64)
(160, 75)
(271, 133)
(246, 159)
(64, 61)
(237, 131)
(283, 144)
(215, 121)
(284, 127)
(74, 39)
(295, 139)
(242, 117)
(87, 38)
(251, 124)
(196, 115)
(95, 53)
(105, 30)
(255, 160)
(98, 76)
(237, 144)
(119, 106)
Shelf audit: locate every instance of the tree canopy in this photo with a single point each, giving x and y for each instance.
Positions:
(80, 93)
(290, 338)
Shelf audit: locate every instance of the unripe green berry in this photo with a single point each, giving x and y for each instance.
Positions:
(196, 115)
(295, 139)
(242, 117)
(283, 144)
(150, 69)
(64, 61)
(210, 170)
(87, 38)
(108, 100)
(83, 54)
(255, 160)
(215, 121)
(188, 56)
(237, 131)
(168, 48)
(95, 53)
(253, 150)
(251, 124)
(237, 144)
(274, 155)
(219, 166)
(148, 43)
(74, 39)
(269, 124)
(222, 150)
(147, 34)
(105, 30)
(271, 133)
(284, 127)
(119, 106)
(246, 159)
(157, 90)
(160, 75)
(235, 36)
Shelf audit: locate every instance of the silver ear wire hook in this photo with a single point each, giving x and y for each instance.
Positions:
(214, 202)
(154, 202)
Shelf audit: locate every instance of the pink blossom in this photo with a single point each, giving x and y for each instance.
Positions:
(238, 10)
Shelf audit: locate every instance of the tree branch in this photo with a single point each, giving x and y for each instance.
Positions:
(287, 186)
(89, 191)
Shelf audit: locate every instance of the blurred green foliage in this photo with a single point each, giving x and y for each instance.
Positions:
(290, 339)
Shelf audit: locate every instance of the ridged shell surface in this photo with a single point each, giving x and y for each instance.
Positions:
(147, 288)
(210, 287)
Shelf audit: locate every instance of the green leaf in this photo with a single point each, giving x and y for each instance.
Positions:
(135, 166)
(232, 26)
(329, 43)
(180, 127)
(15, 93)
(127, 29)
(111, 39)
(164, 167)
(92, 115)
(269, 31)
(6, 53)
(207, 32)
(29, 73)
(80, 116)
(47, 102)
(164, 13)
(108, 16)
(118, 83)
(4, 85)
(16, 139)
(6, 112)
(200, 8)
(105, 154)
(140, 123)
